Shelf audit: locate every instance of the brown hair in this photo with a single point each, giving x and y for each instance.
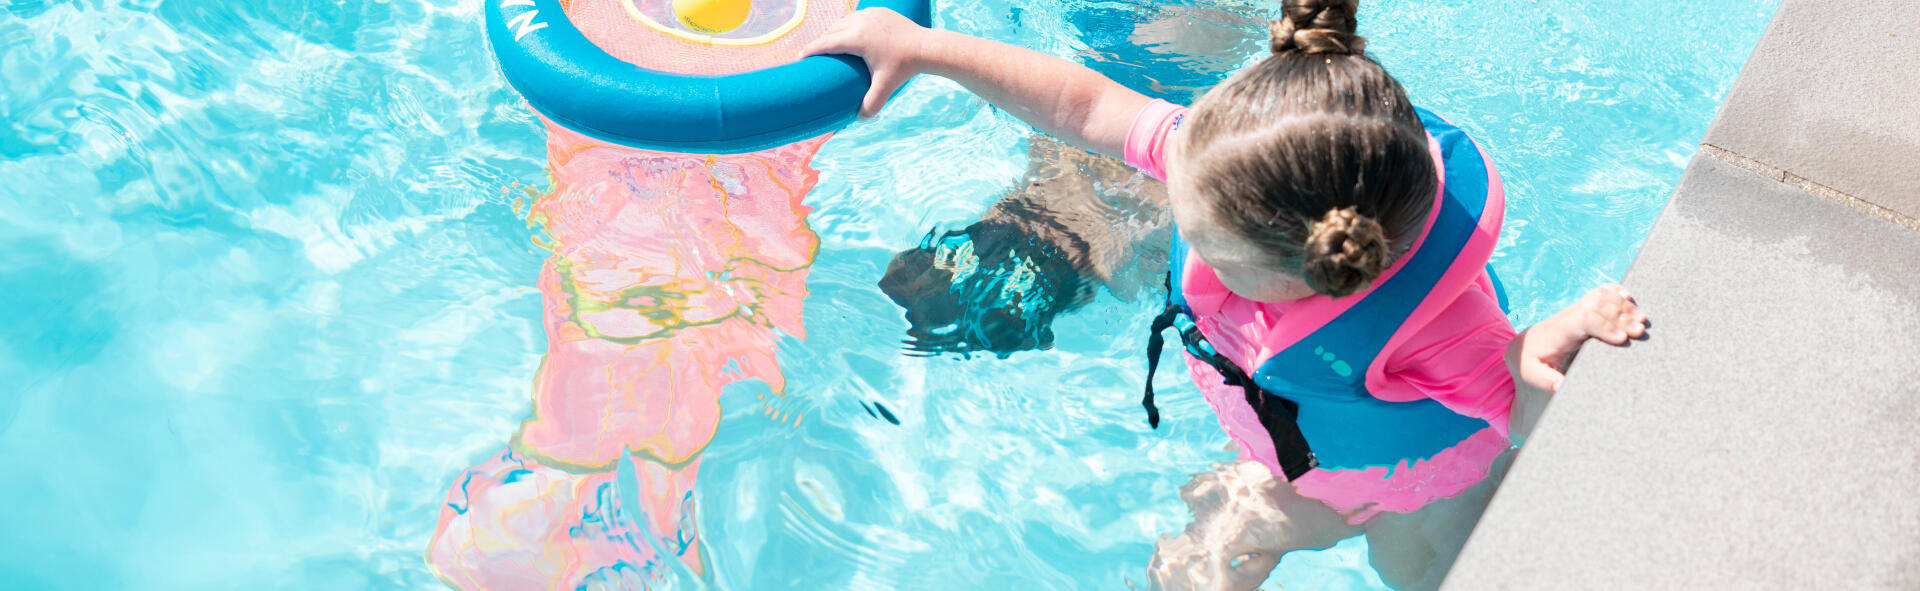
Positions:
(1314, 154)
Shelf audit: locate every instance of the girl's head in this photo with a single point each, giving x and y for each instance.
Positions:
(1307, 172)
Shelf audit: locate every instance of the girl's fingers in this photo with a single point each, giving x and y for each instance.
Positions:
(1594, 323)
(831, 42)
(884, 83)
(1628, 326)
(842, 37)
(819, 46)
(1606, 327)
(1613, 316)
(1608, 305)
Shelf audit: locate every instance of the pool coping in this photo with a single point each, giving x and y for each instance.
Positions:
(1763, 437)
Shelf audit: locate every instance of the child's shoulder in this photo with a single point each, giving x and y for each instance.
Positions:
(1151, 136)
(1469, 330)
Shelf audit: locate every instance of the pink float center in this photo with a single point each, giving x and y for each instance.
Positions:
(646, 33)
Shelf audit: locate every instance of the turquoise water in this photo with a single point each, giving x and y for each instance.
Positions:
(267, 291)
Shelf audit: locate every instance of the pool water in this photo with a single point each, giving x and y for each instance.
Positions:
(268, 282)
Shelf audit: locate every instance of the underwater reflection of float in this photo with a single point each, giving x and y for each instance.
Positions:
(672, 275)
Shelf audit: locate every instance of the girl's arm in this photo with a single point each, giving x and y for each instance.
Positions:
(1063, 99)
(1538, 357)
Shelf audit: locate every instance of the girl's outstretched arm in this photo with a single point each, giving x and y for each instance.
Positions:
(1538, 357)
(1063, 99)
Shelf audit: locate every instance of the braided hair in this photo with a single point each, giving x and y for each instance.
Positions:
(1314, 155)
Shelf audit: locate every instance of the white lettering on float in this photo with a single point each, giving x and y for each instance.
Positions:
(524, 23)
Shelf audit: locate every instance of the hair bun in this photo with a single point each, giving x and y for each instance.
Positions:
(1346, 251)
(1318, 26)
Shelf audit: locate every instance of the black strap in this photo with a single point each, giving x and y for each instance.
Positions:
(1289, 444)
(1278, 415)
(1155, 343)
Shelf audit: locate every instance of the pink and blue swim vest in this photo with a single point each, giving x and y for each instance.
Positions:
(1309, 387)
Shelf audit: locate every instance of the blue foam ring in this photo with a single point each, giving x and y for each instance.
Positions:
(574, 83)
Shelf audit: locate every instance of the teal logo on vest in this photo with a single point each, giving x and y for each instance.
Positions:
(1334, 363)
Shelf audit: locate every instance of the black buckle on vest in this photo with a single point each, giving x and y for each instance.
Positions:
(1278, 415)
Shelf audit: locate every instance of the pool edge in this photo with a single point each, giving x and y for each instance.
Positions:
(1763, 436)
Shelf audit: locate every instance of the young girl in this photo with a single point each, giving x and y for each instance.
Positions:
(1328, 276)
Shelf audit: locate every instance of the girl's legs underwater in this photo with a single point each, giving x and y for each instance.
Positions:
(1246, 519)
(1414, 551)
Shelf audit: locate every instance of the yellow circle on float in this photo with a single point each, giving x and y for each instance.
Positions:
(712, 16)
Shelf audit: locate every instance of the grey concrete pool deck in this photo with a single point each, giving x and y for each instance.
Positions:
(1767, 436)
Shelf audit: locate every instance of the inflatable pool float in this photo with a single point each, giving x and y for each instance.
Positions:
(720, 76)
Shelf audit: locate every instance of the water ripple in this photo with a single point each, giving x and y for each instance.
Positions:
(272, 289)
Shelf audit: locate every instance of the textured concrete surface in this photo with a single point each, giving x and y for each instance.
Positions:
(1766, 436)
(1830, 96)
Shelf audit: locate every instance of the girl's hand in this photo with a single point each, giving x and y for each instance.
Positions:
(1540, 355)
(889, 43)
